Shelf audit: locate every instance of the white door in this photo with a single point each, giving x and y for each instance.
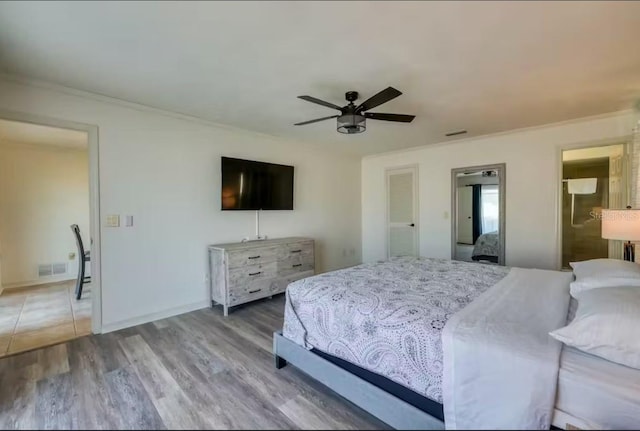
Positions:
(465, 215)
(402, 214)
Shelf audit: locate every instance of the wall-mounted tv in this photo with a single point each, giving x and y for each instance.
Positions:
(251, 185)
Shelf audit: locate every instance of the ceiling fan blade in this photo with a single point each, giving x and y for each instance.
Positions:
(320, 102)
(402, 118)
(316, 120)
(382, 97)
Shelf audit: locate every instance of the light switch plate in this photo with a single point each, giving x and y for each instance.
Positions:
(113, 220)
(128, 220)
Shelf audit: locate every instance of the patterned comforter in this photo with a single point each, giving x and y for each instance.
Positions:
(387, 317)
(486, 247)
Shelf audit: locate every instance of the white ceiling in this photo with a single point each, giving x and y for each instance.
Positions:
(481, 66)
(35, 134)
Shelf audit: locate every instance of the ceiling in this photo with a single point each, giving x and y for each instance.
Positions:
(481, 66)
(35, 134)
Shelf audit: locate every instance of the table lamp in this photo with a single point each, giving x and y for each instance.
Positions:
(622, 225)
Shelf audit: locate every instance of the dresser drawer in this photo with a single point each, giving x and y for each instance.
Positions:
(239, 277)
(296, 263)
(252, 256)
(252, 291)
(280, 284)
(304, 249)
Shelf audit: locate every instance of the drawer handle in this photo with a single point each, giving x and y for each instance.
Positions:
(297, 264)
(255, 273)
(254, 291)
(254, 257)
(296, 251)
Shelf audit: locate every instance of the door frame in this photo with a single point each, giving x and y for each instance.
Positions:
(459, 191)
(414, 169)
(94, 199)
(625, 140)
(502, 190)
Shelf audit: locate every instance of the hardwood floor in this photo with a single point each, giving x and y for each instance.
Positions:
(38, 316)
(194, 371)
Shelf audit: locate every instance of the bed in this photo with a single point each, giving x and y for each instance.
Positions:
(387, 317)
(596, 394)
(486, 247)
(374, 334)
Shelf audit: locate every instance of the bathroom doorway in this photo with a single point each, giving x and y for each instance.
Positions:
(593, 179)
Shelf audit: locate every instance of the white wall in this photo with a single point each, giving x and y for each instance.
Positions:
(43, 190)
(165, 171)
(532, 157)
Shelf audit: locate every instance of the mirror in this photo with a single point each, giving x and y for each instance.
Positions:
(478, 214)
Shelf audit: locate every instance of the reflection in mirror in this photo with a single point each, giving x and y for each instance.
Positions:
(478, 214)
(593, 179)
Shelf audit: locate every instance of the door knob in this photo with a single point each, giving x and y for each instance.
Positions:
(412, 224)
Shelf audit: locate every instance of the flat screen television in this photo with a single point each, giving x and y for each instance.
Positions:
(251, 185)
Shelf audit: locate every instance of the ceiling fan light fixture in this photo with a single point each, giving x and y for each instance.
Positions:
(351, 123)
(352, 118)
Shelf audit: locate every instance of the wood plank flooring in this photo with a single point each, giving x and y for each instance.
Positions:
(38, 316)
(194, 371)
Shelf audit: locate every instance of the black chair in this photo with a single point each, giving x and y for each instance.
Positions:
(83, 257)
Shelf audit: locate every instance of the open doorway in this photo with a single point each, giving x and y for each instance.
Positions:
(593, 179)
(46, 293)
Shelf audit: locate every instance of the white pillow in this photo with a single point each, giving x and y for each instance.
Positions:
(595, 273)
(607, 324)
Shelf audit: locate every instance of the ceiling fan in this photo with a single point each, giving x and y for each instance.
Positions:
(352, 118)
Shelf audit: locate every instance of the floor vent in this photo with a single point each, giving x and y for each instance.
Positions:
(59, 268)
(45, 270)
(49, 269)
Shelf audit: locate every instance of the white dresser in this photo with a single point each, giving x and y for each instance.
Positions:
(245, 271)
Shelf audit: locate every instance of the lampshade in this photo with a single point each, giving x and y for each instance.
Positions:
(351, 123)
(621, 224)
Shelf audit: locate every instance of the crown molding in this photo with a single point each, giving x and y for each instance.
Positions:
(46, 85)
(621, 113)
(311, 144)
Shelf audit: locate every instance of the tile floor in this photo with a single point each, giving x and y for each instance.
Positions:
(38, 316)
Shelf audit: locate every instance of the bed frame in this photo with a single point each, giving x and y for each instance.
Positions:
(381, 404)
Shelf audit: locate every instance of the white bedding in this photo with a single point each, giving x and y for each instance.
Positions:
(500, 364)
(596, 394)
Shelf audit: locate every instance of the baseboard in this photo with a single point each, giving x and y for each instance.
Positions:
(170, 312)
(37, 282)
